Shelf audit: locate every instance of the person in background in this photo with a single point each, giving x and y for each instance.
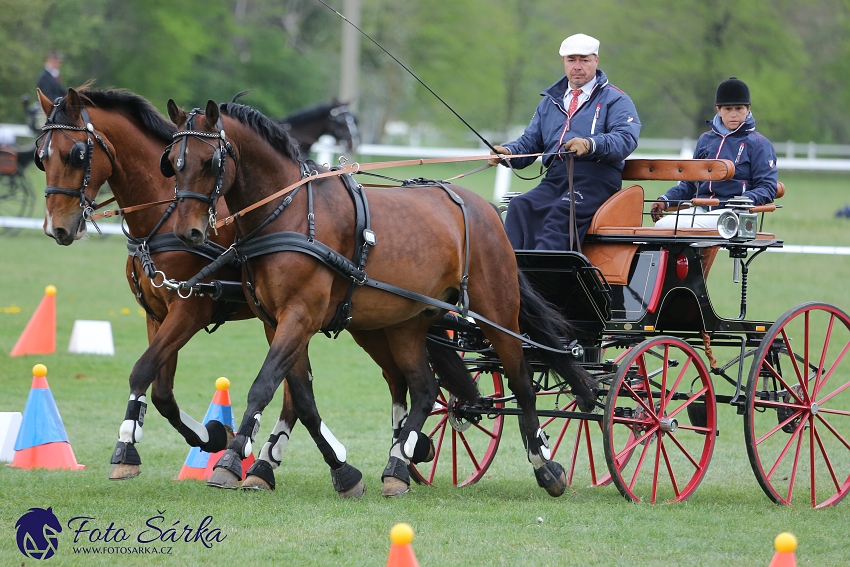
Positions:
(733, 137)
(48, 81)
(581, 113)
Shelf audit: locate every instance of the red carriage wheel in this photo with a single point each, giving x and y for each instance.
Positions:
(797, 423)
(578, 441)
(464, 447)
(660, 422)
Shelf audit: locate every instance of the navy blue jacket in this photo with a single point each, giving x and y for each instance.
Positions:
(608, 119)
(755, 166)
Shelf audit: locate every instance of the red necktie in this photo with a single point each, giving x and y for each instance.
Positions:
(574, 102)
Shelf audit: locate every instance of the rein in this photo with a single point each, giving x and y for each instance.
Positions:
(354, 168)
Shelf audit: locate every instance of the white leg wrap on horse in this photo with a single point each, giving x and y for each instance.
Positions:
(338, 448)
(273, 454)
(196, 427)
(410, 444)
(131, 430)
(538, 460)
(399, 419)
(398, 453)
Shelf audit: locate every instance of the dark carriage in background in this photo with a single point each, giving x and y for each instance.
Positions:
(646, 328)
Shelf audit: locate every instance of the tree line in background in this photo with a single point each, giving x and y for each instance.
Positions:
(489, 60)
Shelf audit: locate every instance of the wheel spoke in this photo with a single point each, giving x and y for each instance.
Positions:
(640, 460)
(801, 377)
(657, 457)
(490, 434)
(833, 431)
(673, 388)
(793, 477)
(797, 431)
(834, 411)
(826, 458)
(670, 470)
(778, 427)
(818, 376)
(684, 451)
(469, 451)
(638, 399)
(688, 402)
(782, 381)
(437, 454)
(664, 369)
(828, 375)
(440, 424)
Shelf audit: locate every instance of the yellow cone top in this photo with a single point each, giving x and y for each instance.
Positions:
(222, 384)
(785, 542)
(401, 534)
(50, 290)
(39, 370)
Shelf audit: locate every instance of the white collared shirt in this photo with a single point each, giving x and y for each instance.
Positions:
(585, 94)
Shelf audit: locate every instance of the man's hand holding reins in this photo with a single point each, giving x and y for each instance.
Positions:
(580, 146)
(501, 151)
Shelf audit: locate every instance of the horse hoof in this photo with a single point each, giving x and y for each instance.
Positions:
(121, 471)
(559, 487)
(394, 487)
(255, 483)
(356, 491)
(223, 478)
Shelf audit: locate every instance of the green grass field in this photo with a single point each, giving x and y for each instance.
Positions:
(502, 520)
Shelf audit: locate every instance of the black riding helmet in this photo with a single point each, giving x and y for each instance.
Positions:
(731, 92)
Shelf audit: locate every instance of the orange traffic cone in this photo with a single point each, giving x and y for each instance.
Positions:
(401, 552)
(785, 545)
(42, 442)
(199, 464)
(39, 336)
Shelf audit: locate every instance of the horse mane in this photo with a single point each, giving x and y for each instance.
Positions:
(269, 130)
(136, 106)
(307, 115)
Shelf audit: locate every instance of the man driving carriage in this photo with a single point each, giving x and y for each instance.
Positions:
(732, 136)
(582, 113)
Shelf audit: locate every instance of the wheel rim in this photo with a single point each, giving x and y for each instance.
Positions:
(464, 450)
(797, 424)
(669, 450)
(16, 200)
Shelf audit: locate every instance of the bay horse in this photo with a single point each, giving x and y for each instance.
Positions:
(133, 135)
(309, 124)
(437, 241)
(130, 136)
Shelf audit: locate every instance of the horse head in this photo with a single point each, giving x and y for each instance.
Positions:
(342, 125)
(198, 159)
(76, 160)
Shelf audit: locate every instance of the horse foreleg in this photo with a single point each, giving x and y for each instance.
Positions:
(410, 445)
(261, 474)
(158, 363)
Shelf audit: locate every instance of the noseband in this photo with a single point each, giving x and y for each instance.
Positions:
(80, 156)
(217, 166)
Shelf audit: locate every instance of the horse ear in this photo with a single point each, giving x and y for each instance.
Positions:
(211, 115)
(46, 103)
(177, 115)
(74, 103)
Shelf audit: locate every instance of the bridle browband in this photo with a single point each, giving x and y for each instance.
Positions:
(80, 155)
(217, 167)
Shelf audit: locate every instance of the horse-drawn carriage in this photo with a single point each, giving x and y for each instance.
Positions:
(636, 297)
(645, 326)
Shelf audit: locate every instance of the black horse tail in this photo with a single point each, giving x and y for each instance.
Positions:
(453, 374)
(544, 324)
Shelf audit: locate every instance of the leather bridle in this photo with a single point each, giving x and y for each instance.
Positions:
(80, 156)
(217, 167)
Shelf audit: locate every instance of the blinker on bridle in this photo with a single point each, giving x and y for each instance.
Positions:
(80, 156)
(217, 164)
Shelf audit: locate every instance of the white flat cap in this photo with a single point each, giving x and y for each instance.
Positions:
(579, 44)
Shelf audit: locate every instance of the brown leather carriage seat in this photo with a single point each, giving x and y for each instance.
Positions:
(622, 214)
